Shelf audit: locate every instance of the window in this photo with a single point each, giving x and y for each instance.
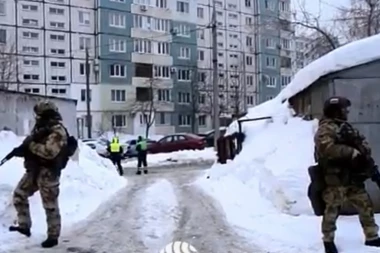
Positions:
(285, 43)
(117, 70)
(249, 80)
(201, 55)
(249, 60)
(31, 63)
(249, 41)
(2, 8)
(117, 20)
(202, 98)
(31, 77)
(58, 25)
(84, 43)
(58, 91)
(286, 62)
(232, 6)
(201, 34)
(184, 75)
(83, 95)
(184, 97)
(161, 3)
(184, 120)
(161, 25)
(32, 90)
(269, 4)
(27, 49)
(285, 80)
(58, 37)
(233, 36)
(56, 64)
(184, 53)
(3, 36)
(232, 16)
(284, 6)
(30, 22)
(161, 71)
(248, 3)
(164, 95)
(118, 1)
(30, 35)
(270, 43)
(118, 95)
(271, 62)
(200, 12)
(163, 48)
(57, 51)
(182, 7)
(142, 2)
(56, 11)
(58, 78)
(82, 69)
(183, 30)
(163, 118)
(270, 81)
(28, 7)
(269, 97)
(250, 100)
(143, 46)
(248, 20)
(202, 120)
(119, 120)
(218, 4)
(84, 17)
(118, 45)
(202, 76)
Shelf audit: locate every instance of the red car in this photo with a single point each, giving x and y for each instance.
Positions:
(176, 142)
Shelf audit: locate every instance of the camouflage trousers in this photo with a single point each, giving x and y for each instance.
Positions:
(48, 186)
(334, 198)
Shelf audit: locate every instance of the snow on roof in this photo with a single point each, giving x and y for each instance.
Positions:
(347, 56)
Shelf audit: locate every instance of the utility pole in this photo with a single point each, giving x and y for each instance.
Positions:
(215, 76)
(88, 95)
(244, 83)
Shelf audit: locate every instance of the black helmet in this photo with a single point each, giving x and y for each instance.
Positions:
(334, 105)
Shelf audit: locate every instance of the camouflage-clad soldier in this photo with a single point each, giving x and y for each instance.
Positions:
(342, 182)
(42, 149)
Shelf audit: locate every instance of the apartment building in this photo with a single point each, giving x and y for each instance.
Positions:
(147, 61)
(253, 39)
(47, 41)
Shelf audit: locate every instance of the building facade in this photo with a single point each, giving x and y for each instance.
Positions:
(150, 61)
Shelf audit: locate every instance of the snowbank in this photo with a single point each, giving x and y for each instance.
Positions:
(350, 55)
(179, 157)
(84, 186)
(264, 189)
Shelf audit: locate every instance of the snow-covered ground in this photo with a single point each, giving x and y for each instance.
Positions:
(176, 158)
(264, 189)
(85, 184)
(158, 211)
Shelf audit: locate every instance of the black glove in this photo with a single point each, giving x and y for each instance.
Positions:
(19, 151)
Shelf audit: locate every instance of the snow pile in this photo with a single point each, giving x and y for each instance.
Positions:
(264, 189)
(347, 56)
(178, 157)
(84, 186)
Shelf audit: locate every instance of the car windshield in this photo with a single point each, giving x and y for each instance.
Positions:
(193, 136)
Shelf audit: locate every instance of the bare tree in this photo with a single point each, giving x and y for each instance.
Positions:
(8, 65)
(195, 97)
(360, 20)
(236, 91)
(146, 103)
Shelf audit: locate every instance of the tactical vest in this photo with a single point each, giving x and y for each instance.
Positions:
(143, 145)
(115, 147)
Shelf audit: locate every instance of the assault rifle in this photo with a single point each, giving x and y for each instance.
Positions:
(352, 138)
(16, 152)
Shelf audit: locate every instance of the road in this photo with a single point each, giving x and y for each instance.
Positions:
(114, 227)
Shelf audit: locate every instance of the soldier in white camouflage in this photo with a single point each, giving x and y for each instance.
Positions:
(42, 149)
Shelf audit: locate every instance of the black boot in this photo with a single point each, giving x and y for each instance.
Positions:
(23, 231)
(145, 171)
(330, 247)
(49, 243)
(138, 172)
(373, 243)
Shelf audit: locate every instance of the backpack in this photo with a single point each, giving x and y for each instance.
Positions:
(69, 151)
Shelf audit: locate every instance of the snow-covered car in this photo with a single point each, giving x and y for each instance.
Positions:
(98, 146)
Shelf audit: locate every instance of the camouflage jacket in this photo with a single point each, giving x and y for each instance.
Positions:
(44, 144)
(334, 154)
